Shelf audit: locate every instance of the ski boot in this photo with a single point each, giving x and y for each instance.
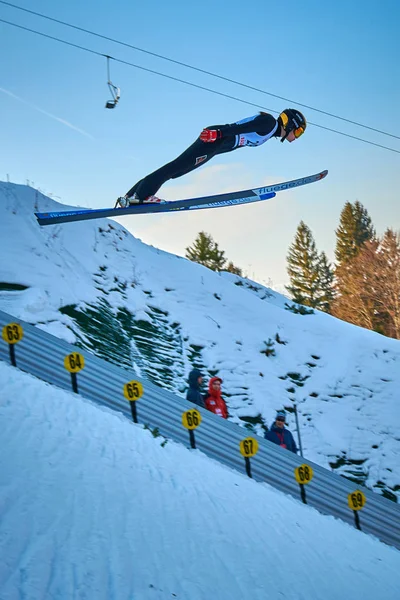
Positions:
(124, 201)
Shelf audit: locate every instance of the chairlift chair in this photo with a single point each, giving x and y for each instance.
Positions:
(115, 91)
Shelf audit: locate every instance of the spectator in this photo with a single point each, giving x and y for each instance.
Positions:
(193, 394)
(279, 435)
(213, 400)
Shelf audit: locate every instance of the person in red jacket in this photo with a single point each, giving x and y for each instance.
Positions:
(214, 401)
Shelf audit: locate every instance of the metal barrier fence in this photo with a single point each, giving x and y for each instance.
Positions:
(42, 355)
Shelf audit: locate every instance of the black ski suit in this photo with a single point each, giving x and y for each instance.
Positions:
(252, 131)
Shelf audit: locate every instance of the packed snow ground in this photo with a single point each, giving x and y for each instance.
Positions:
(348, 400)
(94, 508)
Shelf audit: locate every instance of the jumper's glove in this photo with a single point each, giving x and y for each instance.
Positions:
(210, 135)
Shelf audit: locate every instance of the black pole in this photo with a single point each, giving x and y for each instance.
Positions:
(74, 383)
(303, 493)
(12, 355)
(133, 411)
(248, 467)
(108, 69)
(357, 519)
(192, 439)
(298, 429)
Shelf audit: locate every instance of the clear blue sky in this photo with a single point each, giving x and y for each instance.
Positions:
(341, 58)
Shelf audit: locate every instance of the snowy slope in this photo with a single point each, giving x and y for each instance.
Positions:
(93, 507)
(96, 285)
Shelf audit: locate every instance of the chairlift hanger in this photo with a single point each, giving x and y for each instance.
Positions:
(115, 91)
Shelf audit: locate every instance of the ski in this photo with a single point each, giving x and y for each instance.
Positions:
(217, 201)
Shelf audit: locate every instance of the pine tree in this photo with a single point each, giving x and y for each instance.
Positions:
(304, 268)
(325, 284)
(355, 228)
(206, 252)
(218, 259)
(356, 284)
(345, 234)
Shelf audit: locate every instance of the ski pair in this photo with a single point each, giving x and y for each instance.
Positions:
(217, 201)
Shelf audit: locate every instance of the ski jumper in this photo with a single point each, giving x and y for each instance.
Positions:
(252, 131)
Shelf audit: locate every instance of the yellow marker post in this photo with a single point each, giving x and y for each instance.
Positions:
(303, 475)
(191, 419)
(248, 448)
(356, 501)
(133, 390)
(12, 334)
(74, 363)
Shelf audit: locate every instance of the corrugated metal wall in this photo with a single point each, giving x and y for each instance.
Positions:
(43, 355)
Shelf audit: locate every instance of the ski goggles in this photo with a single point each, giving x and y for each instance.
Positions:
(298, 132)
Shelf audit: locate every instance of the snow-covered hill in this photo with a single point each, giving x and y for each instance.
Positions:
(96, 285)
(93, 507)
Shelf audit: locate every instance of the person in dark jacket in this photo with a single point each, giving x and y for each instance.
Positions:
(193, 394)
(213, 401)
(278, 434)
(217, 139)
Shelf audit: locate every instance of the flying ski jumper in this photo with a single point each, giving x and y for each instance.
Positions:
(218, 139)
